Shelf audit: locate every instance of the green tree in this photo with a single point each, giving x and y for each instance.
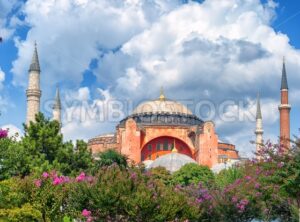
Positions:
(14, 161)
(43, 137)
(110, 157)
(162, 174)
(71, 160)
(42, 149)
(228, 176)
(193, 174)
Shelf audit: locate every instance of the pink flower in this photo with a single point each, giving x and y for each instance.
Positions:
(45, 175)
(89, 179)
(89, 219)
(280, 165)
(234, 199)
(248, 178)
(238, 181)
(66, 179)
(81, 177)
(257, 185)
(242, 205)
(133, 176)
(38, 183)
(199, 200)
(58, 180)
(86, 213)
(257, 194)
(3, 133)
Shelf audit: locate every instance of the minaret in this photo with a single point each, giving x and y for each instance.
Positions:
(33, 92)
(259, 126)
(284, 109)
(57, 107)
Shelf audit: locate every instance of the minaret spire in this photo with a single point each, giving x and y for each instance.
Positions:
(284, 110)
(35, 64)
(258, 109)
(284, 84)
(259, 126)
(57, 106)
(33, 92)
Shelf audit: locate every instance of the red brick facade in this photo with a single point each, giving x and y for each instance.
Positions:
(284, 110)
(227, 152)
(147, 142)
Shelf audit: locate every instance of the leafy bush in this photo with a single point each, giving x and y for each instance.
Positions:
(193, 174)
(109, 189)
(162, 174)
(42, 149)
(228, 176)
(26, 213)
(117, 194)
(110, 157)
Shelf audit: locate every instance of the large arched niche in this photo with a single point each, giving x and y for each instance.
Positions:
(163, 145)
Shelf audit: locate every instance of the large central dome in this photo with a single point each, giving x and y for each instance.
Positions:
(162, 111)
(161, 106)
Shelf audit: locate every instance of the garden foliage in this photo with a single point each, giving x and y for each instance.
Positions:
(43, 178)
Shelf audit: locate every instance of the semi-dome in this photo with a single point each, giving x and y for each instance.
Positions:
(172, 162)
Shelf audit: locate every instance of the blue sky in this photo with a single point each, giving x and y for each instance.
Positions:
(101, 51)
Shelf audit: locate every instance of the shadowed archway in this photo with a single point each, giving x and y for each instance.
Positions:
(163, 145)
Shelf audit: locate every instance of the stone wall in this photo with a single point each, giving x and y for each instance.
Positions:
(102, 143)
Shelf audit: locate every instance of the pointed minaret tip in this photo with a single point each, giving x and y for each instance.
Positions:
(258, 109)
(35, 65)
(284, 84)
(57, 104)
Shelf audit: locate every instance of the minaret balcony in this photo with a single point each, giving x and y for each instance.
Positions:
(259, 131)
(284, 106)
(33, 92)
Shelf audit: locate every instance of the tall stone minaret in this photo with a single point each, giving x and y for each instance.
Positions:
(259, 126)
(33, 92)
(284, 109)
(57, 107)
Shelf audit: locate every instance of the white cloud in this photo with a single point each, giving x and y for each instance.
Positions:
(8, 23)
(84, 118)
(217, 50)
(79, 31)
(227, 48)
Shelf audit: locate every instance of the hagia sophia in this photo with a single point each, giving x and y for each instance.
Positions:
(161, 130)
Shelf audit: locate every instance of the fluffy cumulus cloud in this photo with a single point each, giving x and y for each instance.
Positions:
(9, 22)
(83, 117)
(72, 33)
(217, 51)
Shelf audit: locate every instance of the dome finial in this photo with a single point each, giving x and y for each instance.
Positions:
(162, 95)
(174, 150)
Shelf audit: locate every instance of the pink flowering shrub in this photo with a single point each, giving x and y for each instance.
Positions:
(81, 177)
(264, 189)
(3, 133)
(128, 194)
